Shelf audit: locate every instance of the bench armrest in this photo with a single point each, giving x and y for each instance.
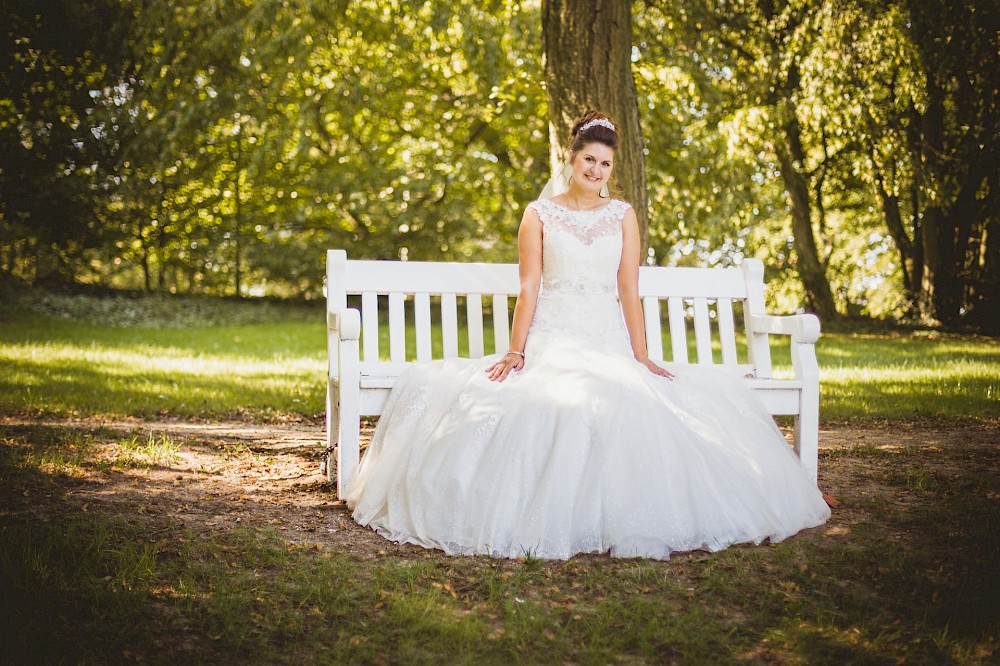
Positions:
(804, 328)
(804, 331)
(347, 322)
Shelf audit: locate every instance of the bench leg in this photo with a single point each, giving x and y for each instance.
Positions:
(349, 412)
(332, 428)
(348, 450)
(807, 438)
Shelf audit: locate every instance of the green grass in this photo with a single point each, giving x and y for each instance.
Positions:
(274, 363)
(148, 451)
(905, 376)
(55, 366)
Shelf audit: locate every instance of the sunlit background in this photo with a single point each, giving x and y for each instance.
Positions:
(204, 147)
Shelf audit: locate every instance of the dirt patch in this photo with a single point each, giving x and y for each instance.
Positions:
(222, 475)
(268, 476)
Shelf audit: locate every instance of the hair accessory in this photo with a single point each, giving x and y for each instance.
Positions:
(603, 122)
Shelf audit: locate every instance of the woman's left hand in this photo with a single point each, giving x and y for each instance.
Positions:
(499, 370)
(655, 369)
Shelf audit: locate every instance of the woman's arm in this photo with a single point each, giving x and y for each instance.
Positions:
(628, 293)
(529, 250)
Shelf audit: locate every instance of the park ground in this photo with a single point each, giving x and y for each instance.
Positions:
(214, 538)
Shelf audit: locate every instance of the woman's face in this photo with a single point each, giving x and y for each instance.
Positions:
(592, 166)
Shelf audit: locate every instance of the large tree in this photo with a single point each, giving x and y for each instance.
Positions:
(956, 137)
(60, 63)
(588, 65)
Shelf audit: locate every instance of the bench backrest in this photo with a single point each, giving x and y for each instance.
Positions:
(460, 295)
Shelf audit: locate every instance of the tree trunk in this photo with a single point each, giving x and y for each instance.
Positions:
(916, 211)
(588, 65)
(790, 155)
(144, 258)
(894, 222)
(941, 284)
(161, 235)
(986, 312)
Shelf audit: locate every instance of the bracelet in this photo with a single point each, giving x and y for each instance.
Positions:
(521, 354)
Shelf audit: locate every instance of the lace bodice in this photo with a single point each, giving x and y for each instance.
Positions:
(581, 252)
(581, 249)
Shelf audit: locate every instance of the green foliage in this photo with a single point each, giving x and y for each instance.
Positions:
(198, 146)
(868, 106)
(375, 127)
(59, 62)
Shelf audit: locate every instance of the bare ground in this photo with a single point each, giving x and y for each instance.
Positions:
(230, 473)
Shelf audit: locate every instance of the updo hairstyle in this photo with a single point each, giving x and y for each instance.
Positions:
(594, 133)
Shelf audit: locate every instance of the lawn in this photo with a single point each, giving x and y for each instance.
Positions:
(160, 502)
(164, 360)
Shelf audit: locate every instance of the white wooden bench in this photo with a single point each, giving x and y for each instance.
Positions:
(361, 373)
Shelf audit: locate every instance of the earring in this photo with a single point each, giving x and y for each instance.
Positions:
(605, 192)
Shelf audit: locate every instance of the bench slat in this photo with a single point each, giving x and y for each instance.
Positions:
(678, 334)
(384, 375)
(501, 324)
(727, 330)
(449, 325)
(758, 349)
(433, 277)
(397, 327)
(702, 331)
(692, 282)
(369, 325)
(474, 311)
(487, 279)
(422, 321)
(654, 339)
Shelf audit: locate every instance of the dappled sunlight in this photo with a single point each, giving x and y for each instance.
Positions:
(141, 379)
(851, 643)
(897, 376)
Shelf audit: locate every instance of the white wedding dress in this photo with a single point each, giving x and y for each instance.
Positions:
(585, 450)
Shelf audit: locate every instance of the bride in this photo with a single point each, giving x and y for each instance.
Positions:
(574, 440)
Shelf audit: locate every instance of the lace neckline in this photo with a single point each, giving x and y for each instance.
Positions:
(581, 210)
(585, 225)
(615, 207)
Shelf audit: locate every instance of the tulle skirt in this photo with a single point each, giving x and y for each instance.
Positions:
(583, 451)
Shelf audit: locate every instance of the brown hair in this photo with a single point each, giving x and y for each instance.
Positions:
(595, 133)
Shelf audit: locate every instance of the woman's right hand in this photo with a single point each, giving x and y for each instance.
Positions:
(503, 367)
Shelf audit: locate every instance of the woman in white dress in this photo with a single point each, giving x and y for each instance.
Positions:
(574, 440)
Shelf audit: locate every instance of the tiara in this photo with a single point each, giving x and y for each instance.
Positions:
(603, 122)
